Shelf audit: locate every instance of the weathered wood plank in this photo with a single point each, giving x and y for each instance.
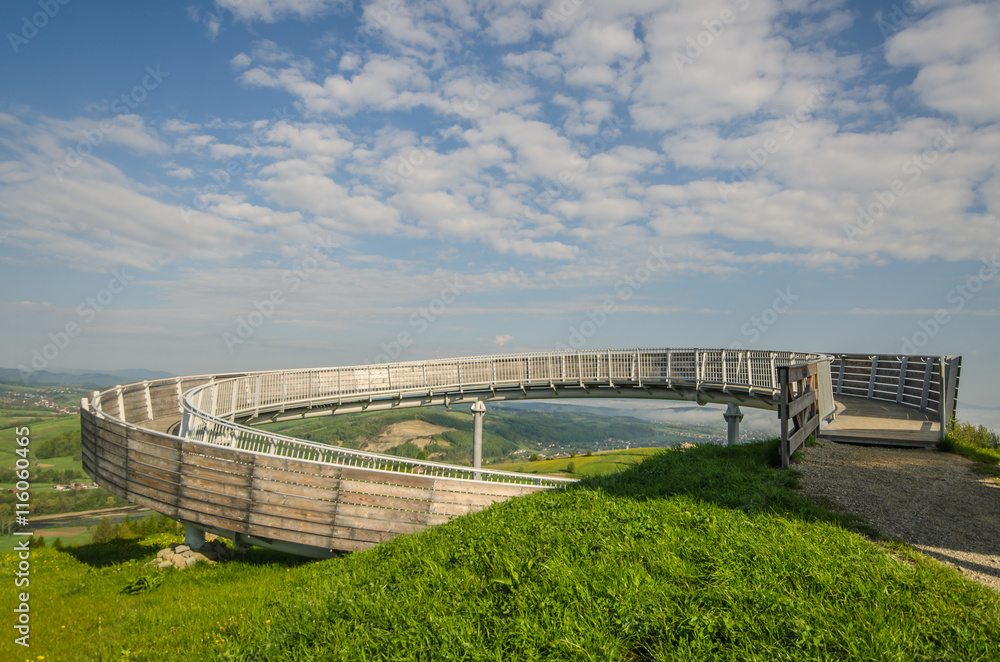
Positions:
(395, 527)
(279, 475)
(802, 402)
(425, 517)
(298, 466)
(387, 489)
(217, 452)
(276, 499)
(212, 520)
(216, 487)
(138, 467)
(160, 507)
(163, 487)
(300, 521)
(217, 476)
(166, 464)
(155, 439)
(376, 501)
(324, 542)
(186, 492)
(319, 494)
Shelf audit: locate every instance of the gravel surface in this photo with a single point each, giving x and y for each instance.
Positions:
(930, 500)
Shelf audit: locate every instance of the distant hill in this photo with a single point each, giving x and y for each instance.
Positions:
(82, 377)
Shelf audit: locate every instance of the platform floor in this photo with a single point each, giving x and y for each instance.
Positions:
(168, 424)
(862, 421)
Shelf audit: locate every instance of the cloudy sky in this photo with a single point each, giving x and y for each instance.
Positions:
(253, 184)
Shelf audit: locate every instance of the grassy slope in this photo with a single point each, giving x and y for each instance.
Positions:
(703, 555)
(40, 432)
(598, 464)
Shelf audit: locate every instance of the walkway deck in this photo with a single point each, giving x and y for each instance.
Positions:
(863, 421)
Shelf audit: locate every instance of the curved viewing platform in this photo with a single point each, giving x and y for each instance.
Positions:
(186, 446)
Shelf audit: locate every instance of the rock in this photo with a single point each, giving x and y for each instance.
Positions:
(164, 564)
(164, 552)
(180, 549)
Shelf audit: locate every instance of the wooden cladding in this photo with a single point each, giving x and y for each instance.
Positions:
(327, 506)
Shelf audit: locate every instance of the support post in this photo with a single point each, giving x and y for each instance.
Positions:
(733, 417)
(478, 412)
(193, 536)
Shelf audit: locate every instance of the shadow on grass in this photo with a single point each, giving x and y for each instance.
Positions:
(745, 477)
(122, 550)
(118, 550)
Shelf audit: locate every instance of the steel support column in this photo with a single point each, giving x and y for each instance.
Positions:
(733, 417)
(478, 412)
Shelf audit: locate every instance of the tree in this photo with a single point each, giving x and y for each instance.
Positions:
(534, 458)
(104, 532)
(571, 468)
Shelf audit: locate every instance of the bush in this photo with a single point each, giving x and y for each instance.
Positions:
(980, 437)
(67, 443)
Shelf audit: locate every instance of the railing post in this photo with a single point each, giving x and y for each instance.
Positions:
(902, 379)
(782, 374)
(871, 377)
(928, 371)
(149, 401)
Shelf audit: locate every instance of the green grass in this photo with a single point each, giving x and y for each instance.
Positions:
(987, 459)
(40, 432)
(709, 554)
(598, 464)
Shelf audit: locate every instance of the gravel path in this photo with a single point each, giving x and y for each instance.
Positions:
(931, 500)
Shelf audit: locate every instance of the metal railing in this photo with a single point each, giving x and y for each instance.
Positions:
(210, 410)
(928, 383)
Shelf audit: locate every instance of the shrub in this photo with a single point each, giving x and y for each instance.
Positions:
(980, 437)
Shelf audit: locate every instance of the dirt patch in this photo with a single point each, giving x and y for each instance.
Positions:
(45, 466)
(65, 532)
(416, 432)
(928, 499)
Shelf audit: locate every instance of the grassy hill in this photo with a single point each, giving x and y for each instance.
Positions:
(506, 430)
(597, 464)
(707, 554)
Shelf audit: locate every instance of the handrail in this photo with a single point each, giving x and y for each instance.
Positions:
(211, 410)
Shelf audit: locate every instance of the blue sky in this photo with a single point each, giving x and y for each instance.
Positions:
(235, 185)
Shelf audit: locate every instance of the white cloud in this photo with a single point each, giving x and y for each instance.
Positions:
(957, 52)
(500, 341)
(270, 11)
